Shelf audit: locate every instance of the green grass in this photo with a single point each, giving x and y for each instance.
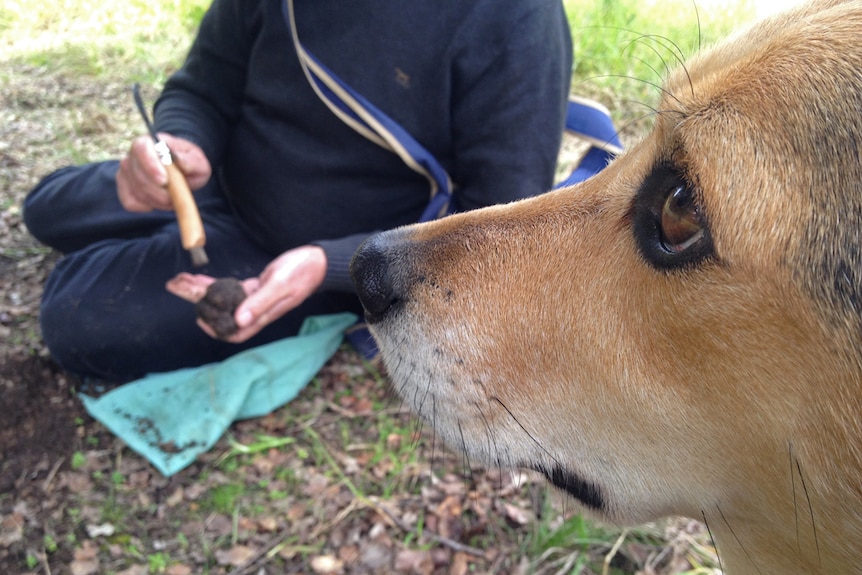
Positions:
(138, 39)
(623, 48)
(147, 40)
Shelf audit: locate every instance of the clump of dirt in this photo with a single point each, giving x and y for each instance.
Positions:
(40, 416)
(218, 306)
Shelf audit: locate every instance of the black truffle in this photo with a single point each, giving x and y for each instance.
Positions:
(218, 306)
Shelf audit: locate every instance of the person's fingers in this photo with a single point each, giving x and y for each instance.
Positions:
(190, 159)
(210, 331)
(261, 320)
(141, 179)
(190, 287)
(263, 297)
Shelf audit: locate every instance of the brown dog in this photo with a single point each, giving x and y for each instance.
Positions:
(679, 335)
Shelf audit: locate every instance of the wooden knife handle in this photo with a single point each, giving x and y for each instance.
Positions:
(188, 217)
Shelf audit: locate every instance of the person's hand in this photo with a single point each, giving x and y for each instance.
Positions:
(142, 179)
(285, 283)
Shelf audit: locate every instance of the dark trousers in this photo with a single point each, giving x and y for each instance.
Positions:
(105, 311)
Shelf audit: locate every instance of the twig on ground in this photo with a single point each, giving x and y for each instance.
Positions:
(610, 556)
(51, 474)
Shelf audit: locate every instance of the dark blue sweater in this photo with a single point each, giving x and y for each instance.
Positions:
(482, 84)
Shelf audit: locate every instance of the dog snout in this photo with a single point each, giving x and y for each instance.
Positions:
(376, 277)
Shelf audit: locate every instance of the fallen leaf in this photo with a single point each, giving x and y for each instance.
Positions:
(195, 490)
(460, 564)
(86, 561)
(11, 530)
(516, 514)
(267, 524)
(220, 525)
(77, 481)
(349, 554)
(176, 497)
(414, 561)
(375, 556)
(236, 555)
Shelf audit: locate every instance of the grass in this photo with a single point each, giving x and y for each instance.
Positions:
(623, 48)
(139, 39)
(145, 40)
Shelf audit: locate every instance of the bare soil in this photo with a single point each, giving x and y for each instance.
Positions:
(356, 486)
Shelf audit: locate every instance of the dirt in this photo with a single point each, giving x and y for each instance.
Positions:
(39, 421)
(340, 480)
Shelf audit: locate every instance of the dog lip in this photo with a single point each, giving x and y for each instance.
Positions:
(587, 492)
(373, 317)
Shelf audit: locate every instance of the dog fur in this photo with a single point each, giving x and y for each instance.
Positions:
(679, 335)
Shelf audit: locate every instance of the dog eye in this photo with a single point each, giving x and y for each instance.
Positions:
(668, 220)
(681, 224)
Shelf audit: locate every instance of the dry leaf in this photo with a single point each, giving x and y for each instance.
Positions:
(86, 560)
(236, 555)
(11, 529)
(516, 514)
(176, 497)
(414, 561)
(460, 564)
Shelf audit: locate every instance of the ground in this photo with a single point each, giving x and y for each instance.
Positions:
(341, 480)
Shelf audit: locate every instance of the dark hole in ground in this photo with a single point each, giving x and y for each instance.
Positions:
(39, 417)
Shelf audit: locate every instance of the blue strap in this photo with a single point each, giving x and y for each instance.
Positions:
(441, 195)
(592, 122)
(355, 110)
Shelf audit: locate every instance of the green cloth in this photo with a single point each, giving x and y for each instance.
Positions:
(170, 418)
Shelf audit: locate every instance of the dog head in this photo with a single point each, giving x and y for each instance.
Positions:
(681, 333)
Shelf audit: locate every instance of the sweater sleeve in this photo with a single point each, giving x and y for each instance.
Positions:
(511, 92)
(201, 101)
(339, 252)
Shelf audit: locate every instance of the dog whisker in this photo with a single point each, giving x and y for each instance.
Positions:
(652, 68)
(810, 510)
(658, 87)
(699, 29)
(793, 493)
(524, 429)
(738, 540)
(653, 112)
(493, 451)
(642, 40)
(561, 476)
(711, 538)
(430, 382)
(467, 467)
(677, 53)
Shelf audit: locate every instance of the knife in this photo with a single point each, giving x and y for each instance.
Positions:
(188, 217)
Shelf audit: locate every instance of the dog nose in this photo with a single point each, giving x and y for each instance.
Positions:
(371, 272)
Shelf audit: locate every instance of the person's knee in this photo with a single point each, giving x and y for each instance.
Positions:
(71, 207)
(38, 209)
(63, 336)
